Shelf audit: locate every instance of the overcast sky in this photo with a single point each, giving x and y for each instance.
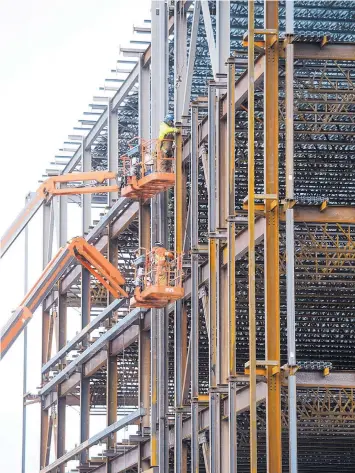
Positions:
(54, 54)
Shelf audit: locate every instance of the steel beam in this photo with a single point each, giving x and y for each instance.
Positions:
(210, 37)
(190, 60)
(223, 40)
(94, 348)
(130, 459)
(84, 333)
(180, 58)
(106, 433)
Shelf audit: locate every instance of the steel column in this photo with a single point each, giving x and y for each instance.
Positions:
(230, 203)
(251, 230)
(144, 340)
(112, 147)
(85, 311)
(112, 372)
(62, 332)
(180, 59)
(212, 259)
(159, 326)
(178, 320)
(272, 275)
(44, 435)
(290, 244)
(194, 334)
(24, 379)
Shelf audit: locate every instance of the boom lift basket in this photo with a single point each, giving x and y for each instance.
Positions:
(160, 283)
(147, 170)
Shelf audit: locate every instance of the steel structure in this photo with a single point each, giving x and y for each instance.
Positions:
(253, 369)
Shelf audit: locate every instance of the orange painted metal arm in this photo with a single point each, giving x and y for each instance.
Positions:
(109, 276)
(77, 249)
(48, 188)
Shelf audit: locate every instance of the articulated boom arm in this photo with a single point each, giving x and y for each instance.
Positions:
(50, 188)
(77, 249)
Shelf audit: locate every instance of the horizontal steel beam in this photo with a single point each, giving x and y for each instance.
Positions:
(81, 335)
(130, 460)
(331, 214)
(336, 51)
(132, 418)
(118, 328)
(335, 379)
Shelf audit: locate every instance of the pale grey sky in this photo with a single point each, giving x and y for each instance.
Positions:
(54, 54)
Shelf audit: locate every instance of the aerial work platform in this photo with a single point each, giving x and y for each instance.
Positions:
(147, 169)
(158, 279)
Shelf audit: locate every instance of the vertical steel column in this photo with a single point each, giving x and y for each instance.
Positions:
(178, 320)
(85, 311)
(272, 276)
(24, 379)
(112, 371)
(251, 229)
(47, 244)
(159, 323)
(112, 251)
(180, 66)
(144, 242)
(230, 197)
(212, 258)
(194, 334)
(62, 332)
(290, 244)
(112, 146)
(144, 101)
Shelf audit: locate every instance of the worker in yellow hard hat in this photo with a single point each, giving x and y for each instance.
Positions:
(166, 139)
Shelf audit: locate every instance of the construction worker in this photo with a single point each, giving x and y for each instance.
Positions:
(135, 167)
(161, 258)
(166, 138)
(139, 263)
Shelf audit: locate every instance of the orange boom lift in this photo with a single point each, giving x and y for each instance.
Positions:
(77, 250)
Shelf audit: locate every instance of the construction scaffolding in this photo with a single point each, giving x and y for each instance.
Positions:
(245, 359)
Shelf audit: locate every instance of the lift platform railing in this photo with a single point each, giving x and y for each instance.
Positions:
(147, 157)
(78, 249)
(50, 188)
